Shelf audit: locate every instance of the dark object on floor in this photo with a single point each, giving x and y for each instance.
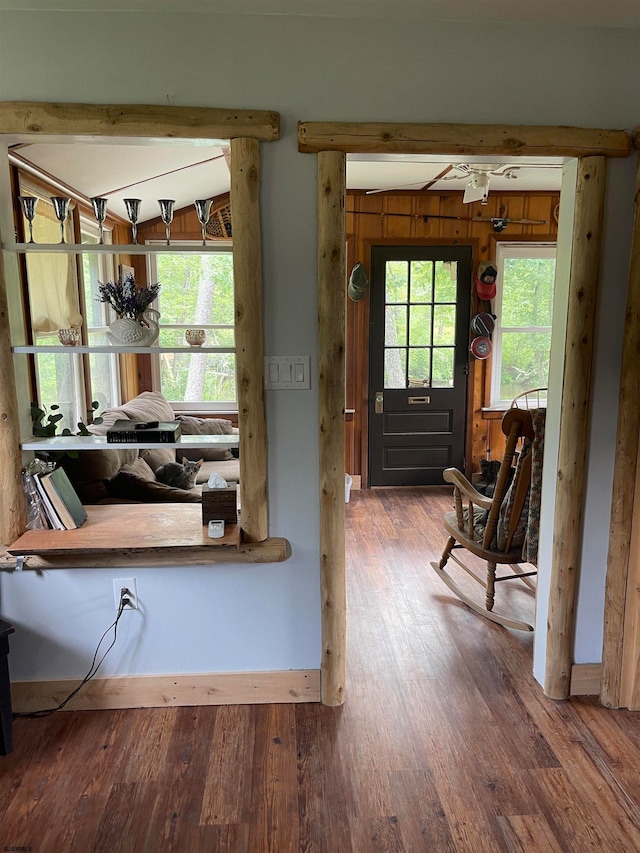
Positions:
(6, 718)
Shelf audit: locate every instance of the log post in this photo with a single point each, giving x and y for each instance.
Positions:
(331, 341)
(624, 481)
(13, 517)
(574, 425)
(247, 275)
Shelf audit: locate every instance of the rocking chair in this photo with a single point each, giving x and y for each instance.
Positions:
(501, 529)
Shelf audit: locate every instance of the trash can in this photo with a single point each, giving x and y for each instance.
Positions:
(348, 482)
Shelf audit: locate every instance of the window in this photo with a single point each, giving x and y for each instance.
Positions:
(56, 297)
(523, 307)
(196, 292)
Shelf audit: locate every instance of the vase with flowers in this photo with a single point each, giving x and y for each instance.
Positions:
(137, 323)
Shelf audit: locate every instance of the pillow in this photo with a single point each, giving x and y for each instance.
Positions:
(205, 426)
(148, 406)
(157, 456)
(140, 469)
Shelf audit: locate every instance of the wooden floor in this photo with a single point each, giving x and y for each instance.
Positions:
(445, 742)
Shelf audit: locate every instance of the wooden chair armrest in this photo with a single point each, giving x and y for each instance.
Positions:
(453, 476)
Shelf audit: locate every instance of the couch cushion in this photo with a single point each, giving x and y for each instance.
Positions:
(205, 426)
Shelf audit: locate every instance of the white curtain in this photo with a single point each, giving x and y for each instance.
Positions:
(53, 294)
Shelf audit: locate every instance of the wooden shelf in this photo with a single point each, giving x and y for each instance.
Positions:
(99, 442)
(130, 527)
(106, 249)
(109, 348)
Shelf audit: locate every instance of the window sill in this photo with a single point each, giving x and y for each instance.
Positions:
(490, 413)
(141, 534)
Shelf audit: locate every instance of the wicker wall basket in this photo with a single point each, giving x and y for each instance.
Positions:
(219, 224)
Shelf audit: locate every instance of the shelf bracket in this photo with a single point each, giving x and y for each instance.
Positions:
(17, 566)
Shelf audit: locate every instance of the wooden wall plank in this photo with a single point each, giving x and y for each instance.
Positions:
(495, 140)
(574, 425)
(247, 273)
(624, 479)
(331, 344)
(153, 121)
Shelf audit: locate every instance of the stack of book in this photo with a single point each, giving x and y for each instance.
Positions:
(60, 503)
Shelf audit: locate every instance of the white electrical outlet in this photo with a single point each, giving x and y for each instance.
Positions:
(129, 584)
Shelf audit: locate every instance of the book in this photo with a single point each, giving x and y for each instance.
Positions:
(64, 498)
(52, 516)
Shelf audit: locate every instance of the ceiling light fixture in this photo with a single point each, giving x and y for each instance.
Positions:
(477, 189)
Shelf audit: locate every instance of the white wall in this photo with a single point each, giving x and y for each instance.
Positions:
(268, 617)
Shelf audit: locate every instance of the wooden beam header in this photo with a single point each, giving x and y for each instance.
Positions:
(460, 139)
(137, 120)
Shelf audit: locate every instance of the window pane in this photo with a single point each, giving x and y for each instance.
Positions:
(395, 325)
(396, 281)
(419, 367)
(103, 368)
(206, 377)
(420, 325)
(525, 362)
(174, 337)
(444, 324)
(56, 375)
(421, 281)
(527, 291)
(196, 289)
(446, 281)
(394, 368)
(443, 364)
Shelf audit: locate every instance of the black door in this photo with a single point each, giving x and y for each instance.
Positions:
(419, 350)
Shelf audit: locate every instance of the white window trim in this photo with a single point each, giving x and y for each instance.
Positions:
(503, 251)
(181, 406)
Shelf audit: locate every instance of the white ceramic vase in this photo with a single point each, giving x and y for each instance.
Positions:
(127, 332)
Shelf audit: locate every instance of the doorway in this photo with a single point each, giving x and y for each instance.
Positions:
(419, 362)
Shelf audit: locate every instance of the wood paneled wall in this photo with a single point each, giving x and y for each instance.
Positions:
(374, 220)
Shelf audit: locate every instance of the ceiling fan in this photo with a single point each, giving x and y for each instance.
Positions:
(478, 178)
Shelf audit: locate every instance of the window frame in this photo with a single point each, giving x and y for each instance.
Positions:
(504, 250)
(24, 121)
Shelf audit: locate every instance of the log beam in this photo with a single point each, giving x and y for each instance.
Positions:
(510, 141)
(574, 425)
(331, 319)
(247, 275)
(624, 482)
(150, 121)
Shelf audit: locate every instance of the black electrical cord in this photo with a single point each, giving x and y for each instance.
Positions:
(124, 600)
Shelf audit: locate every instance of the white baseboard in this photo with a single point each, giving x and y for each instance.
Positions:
(160, 691)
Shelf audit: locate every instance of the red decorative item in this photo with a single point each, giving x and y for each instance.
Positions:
(480, 348)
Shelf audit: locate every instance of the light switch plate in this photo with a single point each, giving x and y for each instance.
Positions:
(287, 372)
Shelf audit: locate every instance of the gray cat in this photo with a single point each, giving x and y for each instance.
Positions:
(180, 476)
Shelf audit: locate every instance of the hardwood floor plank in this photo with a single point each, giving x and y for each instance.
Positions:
(445, 744)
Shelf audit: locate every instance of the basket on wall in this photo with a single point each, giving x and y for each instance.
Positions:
(219, 224)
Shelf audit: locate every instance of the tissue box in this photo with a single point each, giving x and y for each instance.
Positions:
(220, 504)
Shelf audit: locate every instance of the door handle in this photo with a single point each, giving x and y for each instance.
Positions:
(419, 399)
(379, 401)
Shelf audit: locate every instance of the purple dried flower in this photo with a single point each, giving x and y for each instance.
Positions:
(126, 297)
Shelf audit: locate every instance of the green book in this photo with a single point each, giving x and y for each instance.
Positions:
(64, 498)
